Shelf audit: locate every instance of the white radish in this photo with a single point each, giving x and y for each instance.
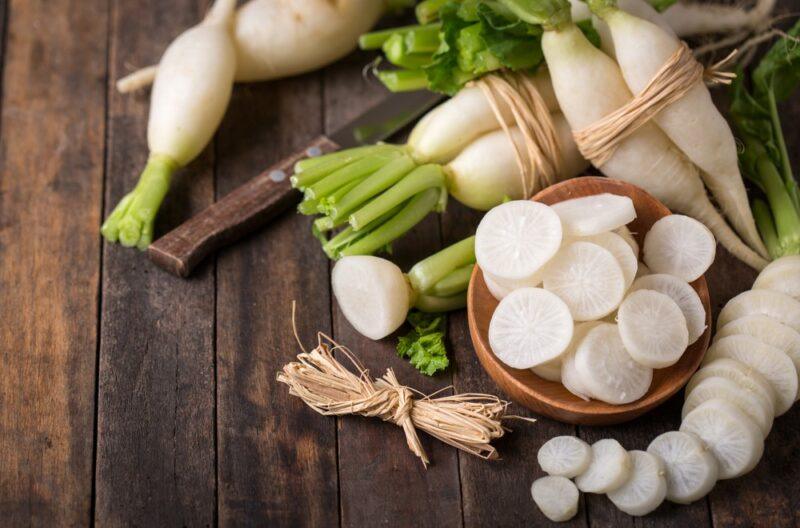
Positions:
(782, 275)
(776, 305)
(681, 246)
(570, 377)
(653, 328)
(594, 214)
(626, 235)
(700, 18)
(690, 467)
(556, 497)
(646, 488)
(684, 296)
(733, 438)
(550, 371)
(610, 468)
(756, 407)
(622, 251)
(586, 277)
(607, 370)
(499, 288)
(564, 456)
(529, 327)
(745, 377)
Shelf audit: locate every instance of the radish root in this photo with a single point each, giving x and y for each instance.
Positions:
(137, 80)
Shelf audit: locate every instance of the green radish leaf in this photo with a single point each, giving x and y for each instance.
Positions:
(662, 5)
(424, 345)
(779, 70)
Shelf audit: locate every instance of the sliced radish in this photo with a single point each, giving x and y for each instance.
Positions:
(653, 328)
(515, 239)
(733, 438)
(756, 407)
(550, 371)
(570, 377)
(499, 288)
(565, 456)
(684, 296)
(691, 468)
(747, 378)
(595, 214)
(609, 373)
(776, 305)
(609, 469)
(646, 488)
(680, 246)
(556, 497)
(781, 275)
(617, 246)
(629, 239)
(498, 292)
(529, 327)
(588, 278)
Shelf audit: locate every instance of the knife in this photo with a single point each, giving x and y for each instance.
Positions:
(255, 203)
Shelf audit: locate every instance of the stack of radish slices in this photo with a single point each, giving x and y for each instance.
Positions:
(578, 307)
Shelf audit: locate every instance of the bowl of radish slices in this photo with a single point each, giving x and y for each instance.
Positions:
(589, 303)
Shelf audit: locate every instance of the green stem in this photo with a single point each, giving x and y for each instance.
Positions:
(426, 273)
(396, 52)
(454, 282)
(354, 171)
(785, 216)
(550, 14)
(376, 39)
(403, 80)
(327, 203)
(766, 227)
(786, 164)
(426, 39)
(430, 304)
(311, 170)
(428, 10)
(308, 207)
(348, 235)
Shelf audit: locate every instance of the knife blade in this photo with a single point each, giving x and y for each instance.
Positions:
(254, 204)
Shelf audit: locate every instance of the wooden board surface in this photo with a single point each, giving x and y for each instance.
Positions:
(131, 398)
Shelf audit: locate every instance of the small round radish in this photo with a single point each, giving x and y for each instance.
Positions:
(529, 327)
(690, 467)
(515, 239)
(595, 214)
(781, 275)
(646, 488)
(570, 377)
(776, 305)
(681, 246)
(746, 378)
(733, 438)
(588, 278)
(626, 235)
(684, 296)
(550, 371)
(609, 469)
(622, 251)
(609, 373)
(565, 456)
(653, 328)
(556, 497)
(756, 407)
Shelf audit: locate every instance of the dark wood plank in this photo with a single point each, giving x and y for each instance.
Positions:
(51, 173)
(155, 452)
(277, 458)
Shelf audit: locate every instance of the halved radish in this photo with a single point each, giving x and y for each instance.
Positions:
(529, 327)
(621, 250)
(609, 469)
(684, 296)
(550, 371)
(781, 275)
(680, 246)
(629, 239)
(570, 377)
(556, 497)
(691, 468)
(733, 438)
(590, 215)
(747, 378)
(586, 277)
(776, 305)
(646, 488)
(653, 328)
(607, 370)
(565, 456)
(756, 407)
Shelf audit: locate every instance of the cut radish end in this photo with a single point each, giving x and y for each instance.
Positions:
(556, 497)
(588, 278)
(781, 275)
(653, 328)
(684, 296)
(616, 245)
(757, 408)
(775, 305)
(646, 488)
(565, 456)
(529, 327)
(550, 371)
(629, 239)
(570, 377)
(679, 246)
(746, 378)
(609, 469)
(591, 215)
(691, 468)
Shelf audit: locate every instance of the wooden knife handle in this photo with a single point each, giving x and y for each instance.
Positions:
(244, 210)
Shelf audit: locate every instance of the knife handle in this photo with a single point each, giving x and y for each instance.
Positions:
(244, 210)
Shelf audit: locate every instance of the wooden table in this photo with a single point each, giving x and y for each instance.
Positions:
(130, 397)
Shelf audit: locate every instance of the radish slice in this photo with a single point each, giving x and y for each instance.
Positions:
(691, 468)
(768, 361)
(680, 246)
(529, 327)
(609, 469)
(556, 497)
(550, 371)
(781, 275)
(776, 305)
(684, 296)
(616, 245)
(746, 378)
(570, 377)
(733, 438)
(588, 278)
(609, 373)
(756, 407)
(499, 288)
(646, 488)
(591, 215)
(653, 328)
(515, 239)
(629, 239)
(565, 456)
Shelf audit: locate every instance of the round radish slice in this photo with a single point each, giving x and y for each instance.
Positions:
(732, 437)
(748, 379)
(529, 327)
(690, 467)
(588, 278)
(775, 305)
(609, 469)
(629, 239)
(498, 292)
(679, 246)
(646, 488)
(515, 239)
(684, 296)
(594, 214)
(653, 328)
(565, 456)
(781, 275)
(608, 372)
(550, 371)
(617, 246)
(499, 288)
(556, 497)
(758, 409)
(773, 364)
(570, 377)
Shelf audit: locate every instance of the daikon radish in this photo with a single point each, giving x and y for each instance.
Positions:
(550, 371)
(646, 487)
(570, 377)
(747, 378)
(776, 305)
(755, 406)
(610, 468)
(622, 251)
(564, 456)
(690, 467)
(782, 275)
(556, 497)
(684, 296)
(680, 246)
(594, 214)
(653, 328)
(698, 18)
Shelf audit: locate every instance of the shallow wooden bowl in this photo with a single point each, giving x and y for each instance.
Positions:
(552, 399)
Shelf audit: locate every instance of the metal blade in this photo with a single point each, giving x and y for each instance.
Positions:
(385, 119)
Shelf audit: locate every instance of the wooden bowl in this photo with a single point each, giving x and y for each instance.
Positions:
(552, 399)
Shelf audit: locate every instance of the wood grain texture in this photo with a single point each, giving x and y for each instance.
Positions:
(155, 426)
